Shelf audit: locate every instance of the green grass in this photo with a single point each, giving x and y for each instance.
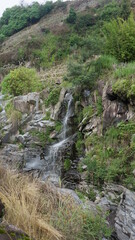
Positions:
(125, 71)
(111, 157)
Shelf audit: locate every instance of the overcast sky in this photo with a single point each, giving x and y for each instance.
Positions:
(9, 3)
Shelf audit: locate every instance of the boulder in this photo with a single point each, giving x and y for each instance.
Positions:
(27, 103)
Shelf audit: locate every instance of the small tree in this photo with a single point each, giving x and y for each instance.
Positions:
(125, 9)
(120, 39)
(72, 16)
(21, 81)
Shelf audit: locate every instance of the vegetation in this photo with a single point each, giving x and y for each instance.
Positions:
(43, 213)
(124, 86)
(21, 81)
(18, 17)
(53, 97)
(72, 16)
(120, 38)
(111, 157)
(43, 137)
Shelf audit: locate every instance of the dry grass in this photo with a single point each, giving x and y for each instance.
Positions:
(38, 208)
(43, 213)
(25, 206)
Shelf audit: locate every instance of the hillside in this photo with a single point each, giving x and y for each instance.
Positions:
(67, 122)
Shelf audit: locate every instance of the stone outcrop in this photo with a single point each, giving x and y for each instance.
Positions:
(125, 216)
(27, 103)
(115, 110)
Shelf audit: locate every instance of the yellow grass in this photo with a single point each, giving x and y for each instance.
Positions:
(26, 206)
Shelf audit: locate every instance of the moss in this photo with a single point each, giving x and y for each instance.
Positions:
(67, 164)
(2, 230)
(1, 108)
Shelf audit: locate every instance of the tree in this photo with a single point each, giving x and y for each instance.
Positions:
(125, 9)
(72, 16)
(120, 39)
(21, 81)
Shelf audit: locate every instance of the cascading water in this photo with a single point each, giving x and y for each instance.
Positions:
(68, 115)
(51, 164)
(55, 151)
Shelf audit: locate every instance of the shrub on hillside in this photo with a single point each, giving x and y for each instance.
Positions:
(109, 11)
(125, 9)
(86, 74)
(21, 81)
(120, 39)
(72, 16)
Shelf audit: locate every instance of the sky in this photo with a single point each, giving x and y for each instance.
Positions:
(10, 3)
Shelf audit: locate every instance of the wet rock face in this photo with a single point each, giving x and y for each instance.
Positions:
(125, 217)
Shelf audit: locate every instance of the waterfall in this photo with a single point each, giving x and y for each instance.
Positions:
(55, 151)
(50, 166)
(69, 98)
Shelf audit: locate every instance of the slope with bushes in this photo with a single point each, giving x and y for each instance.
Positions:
(86, 49)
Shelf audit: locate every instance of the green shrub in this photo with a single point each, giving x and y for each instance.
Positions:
(53, 97)
(105, 62)
(125, 9)
(84, 21)
(1, 108)
(111, 157)
(80, 144)
(109, 11)
(58, 126)
(43, 137)
(88, 111)
(123, 88)
(99, 106)
(21, 81)
(12, 114)
(2, 38)
(67, 164)
(72, 16)
(9, 109)
(120, 39)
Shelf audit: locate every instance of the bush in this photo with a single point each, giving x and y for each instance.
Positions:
(72, 16)
(120, 39)
(125, 9)
(18, 17)
(21, 81)
(83, 22)
(1, 108)
(109, 11)
(121, 88)
(53, 97)
(111, 157)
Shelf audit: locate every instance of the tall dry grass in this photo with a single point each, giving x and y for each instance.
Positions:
(42, 212)
(26, 206)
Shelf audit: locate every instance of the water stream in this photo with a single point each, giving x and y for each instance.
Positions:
(50, 166)
(56, 150)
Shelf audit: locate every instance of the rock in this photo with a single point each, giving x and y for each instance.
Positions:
(134, 172)
(1, 209)
(57, 109)
(8, 232)
(125, 216)
(27, 103)
(115, 110)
